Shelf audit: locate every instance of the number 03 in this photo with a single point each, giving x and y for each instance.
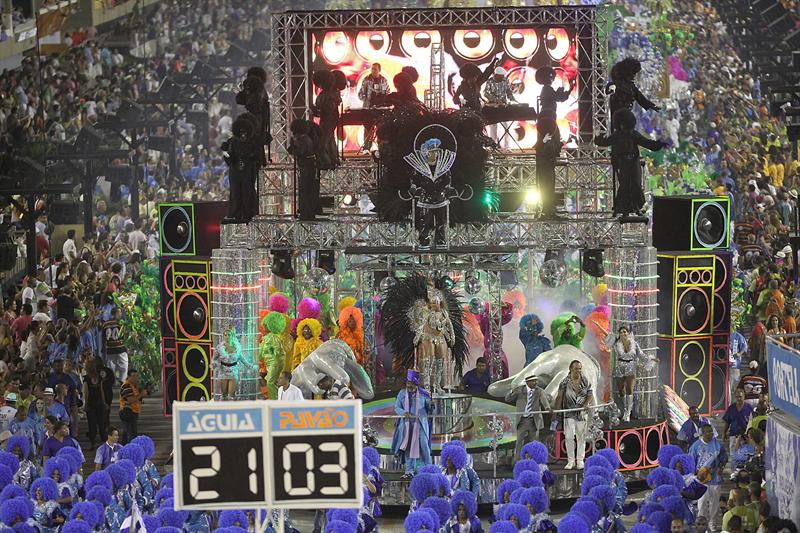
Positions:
(327, 468)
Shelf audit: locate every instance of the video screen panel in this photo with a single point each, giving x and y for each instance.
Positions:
(521, 50)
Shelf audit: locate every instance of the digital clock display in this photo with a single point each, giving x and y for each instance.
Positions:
(222, 470)
(318, 467)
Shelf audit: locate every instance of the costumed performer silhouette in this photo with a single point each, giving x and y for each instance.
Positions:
(303, 149)
(271, 351)
(623, 89)
(530, 334)
(243, 154)
(308, 340)
(625, 162)
(411, 442)
(326, 107)
(563, 329)
(351, 331)
(548, 138)
(227, 358)
(468, 93)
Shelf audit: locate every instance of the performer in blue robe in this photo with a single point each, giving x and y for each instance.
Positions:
(411, 442)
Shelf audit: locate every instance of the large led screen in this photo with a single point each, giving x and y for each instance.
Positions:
(521, 51)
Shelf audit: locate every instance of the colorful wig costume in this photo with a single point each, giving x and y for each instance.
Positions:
(563, 330)
(530, 334)
(407, 308)
(506, 314)
(302, 346)
(271, 351)
(279, 303)
(353, 337)
(598, 323)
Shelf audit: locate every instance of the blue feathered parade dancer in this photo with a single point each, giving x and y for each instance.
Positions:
(530, 334)
(411, 442)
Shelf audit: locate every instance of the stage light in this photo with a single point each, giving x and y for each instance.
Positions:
(282, 264)
(533, 197)
(592, 263)
(349, 200)
(491, 199)
(326, 260)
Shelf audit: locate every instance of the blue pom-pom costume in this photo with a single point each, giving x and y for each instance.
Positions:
(574, 523)
(419, 521)
(516, 513)
(459, 474)
(503, 526)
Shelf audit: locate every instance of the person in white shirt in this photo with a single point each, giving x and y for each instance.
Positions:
(42, 312)
(69, 249)
(8, 411)
(28, 294)
(286, 391)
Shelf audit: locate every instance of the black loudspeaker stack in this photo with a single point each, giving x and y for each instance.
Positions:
(188, 233)
(692, 235)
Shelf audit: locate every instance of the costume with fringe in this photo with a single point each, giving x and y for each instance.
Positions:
(530, 334)
(353, 337)
(405, 309)
(302, 346)
(271, 351)
(227, 360)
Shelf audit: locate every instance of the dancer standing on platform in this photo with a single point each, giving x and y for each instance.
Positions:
(227, 357)
(575, 393)
(411, 442)
(627, 355)
(563, 331)
(308, 340)
(624, 91)
(326, 107)
(303, 149)
(529, 399)
(625, 162)
(434, 336)
(271, 351)
(468, 94)
(530, 334)
(351, 331)
(548, 139)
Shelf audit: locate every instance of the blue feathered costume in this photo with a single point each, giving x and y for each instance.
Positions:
(530, 334)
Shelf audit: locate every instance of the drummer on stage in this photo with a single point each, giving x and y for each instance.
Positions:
(373, 85)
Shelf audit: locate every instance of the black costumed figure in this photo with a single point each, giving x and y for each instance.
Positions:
(431, 190)
(623, 89)
(326, 107)
(405, 95)
(468, 93)
(302, 146)
(422, 325)
(255, 99)
(243, 154)
(625, 143)
(548, 140)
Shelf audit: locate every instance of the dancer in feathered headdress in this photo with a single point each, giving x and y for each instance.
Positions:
(433, 313)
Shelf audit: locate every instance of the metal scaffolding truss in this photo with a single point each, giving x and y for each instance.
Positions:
(504, 173)
(291, 49)
(367, 235)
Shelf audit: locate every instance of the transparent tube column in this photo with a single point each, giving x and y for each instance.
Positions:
(235, 296)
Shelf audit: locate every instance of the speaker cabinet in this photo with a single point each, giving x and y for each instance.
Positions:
(194, 371)
(723, 270)
(720, 365)
(636, 446)
(686, 366)
(190, 228)
(191, 285)
(685, 294)
(696, 223)
(167, 298)
(169, 376)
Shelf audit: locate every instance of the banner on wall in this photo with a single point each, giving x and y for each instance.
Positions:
(782, 466)
(783, 372)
